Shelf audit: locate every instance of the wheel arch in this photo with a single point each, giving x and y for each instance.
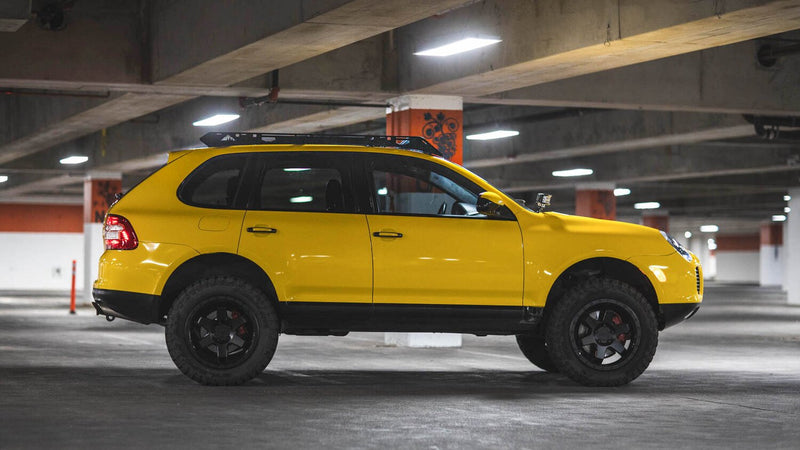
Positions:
(612, 268)
(212, 264)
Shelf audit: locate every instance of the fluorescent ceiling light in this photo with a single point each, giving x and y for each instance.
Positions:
(572, 173)
(218, 119)
(786, 198)
(74, 160)
(3, 178)
(647, 205)
(779, 218)
(619, 192)
(786, 209)
(301, 199)
(296, 169)
(687, 234)
(709, 228)
(497, 134)
(453, 48)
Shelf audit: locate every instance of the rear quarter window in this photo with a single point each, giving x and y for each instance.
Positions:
(215, 183)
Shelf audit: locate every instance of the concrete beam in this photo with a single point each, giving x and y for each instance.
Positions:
(720, 80)
(600, 133)
(548, 41)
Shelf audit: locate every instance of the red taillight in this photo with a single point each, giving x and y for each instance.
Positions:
(118, 234)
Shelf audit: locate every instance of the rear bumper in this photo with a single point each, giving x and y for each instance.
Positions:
(142, 308)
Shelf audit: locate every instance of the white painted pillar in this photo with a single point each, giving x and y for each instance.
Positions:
(439, 119)
(771, 253)
(792, 248)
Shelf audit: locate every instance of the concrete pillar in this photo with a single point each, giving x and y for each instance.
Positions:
(658, 220)
(99, 189)
(792, 249)
(596, 200)
(771, 266)
(439, 119)
(738, 258)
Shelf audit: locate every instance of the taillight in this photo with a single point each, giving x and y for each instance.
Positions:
(118, 234)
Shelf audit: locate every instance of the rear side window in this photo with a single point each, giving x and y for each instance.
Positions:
(215, 183)
(312, 182)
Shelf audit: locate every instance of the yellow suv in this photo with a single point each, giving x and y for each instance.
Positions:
(263, 234)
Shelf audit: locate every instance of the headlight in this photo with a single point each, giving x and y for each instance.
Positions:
(687, 255)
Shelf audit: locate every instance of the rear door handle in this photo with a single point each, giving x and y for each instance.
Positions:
(261, 229)
(387, 234)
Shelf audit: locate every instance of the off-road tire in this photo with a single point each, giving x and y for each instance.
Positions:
(212, 310)
(575, 336)
(535, 349)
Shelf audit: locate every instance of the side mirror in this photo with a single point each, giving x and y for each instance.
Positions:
(542, 201)
(489, 203)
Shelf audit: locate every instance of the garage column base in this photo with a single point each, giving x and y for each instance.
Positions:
(423, 340)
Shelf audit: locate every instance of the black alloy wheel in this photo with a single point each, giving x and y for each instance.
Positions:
(222, 331)
(602, 332)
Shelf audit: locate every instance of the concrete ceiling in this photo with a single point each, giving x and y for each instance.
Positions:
(649, 93)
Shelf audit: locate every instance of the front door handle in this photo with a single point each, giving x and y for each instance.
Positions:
(387, 234)
(261, 229)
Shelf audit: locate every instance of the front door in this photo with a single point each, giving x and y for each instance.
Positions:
(431, 247)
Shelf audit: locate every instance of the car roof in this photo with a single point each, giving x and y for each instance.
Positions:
(237, 138)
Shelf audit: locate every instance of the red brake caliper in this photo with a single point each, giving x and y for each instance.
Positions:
(617, 321)
(241, 331)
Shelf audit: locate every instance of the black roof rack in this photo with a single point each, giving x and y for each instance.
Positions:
(225, 139)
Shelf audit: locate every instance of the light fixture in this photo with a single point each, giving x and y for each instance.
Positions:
(453, 48)
(709, 228)
(786, 198)
(217, 119)
(619, 192)
(74, 160)
(647, 205)
(712, 244)
(301, 199)
(779, 218)
(296, 169)
(383, 191)
(687, 235)
(497, 134)
(572, 172)
(786, 209)
(3, 178)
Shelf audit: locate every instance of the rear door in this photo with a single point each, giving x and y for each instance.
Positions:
(302, 227)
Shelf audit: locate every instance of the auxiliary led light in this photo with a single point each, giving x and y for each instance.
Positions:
(454, 48)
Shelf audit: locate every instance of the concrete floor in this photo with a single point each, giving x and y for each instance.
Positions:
(730, 377)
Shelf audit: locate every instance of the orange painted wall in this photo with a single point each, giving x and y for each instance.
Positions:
(600, 204)
(41, 218)
(739, 243)
(442, 128)
(772, 234)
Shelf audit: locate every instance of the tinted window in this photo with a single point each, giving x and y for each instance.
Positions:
(405, 185)
(311, 182)
(215, 183)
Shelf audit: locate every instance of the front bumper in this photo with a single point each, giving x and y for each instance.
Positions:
(673, 314)
(142, 308)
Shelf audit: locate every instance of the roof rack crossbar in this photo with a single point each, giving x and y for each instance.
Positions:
(225, 139)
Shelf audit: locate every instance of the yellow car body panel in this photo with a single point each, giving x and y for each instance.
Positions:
(527, 255)
(144, 270)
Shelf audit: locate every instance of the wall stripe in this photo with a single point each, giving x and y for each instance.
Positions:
(20, 217)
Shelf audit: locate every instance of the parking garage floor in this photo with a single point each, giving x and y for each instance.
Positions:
(730, 378)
